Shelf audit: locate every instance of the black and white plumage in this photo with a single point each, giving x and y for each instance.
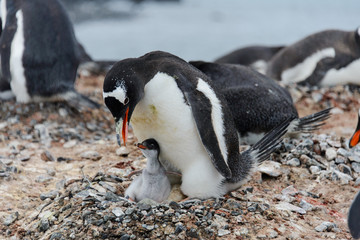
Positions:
(256, 57)
(153, 182)
(354, 217)
(257, 102)
(173, 102)
(325, 58)
(39, 53)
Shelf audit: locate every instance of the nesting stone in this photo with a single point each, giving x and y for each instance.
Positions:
(290, 190)
(70, 144)
(6, 161)
(342, 177)
(118, 212)
(43, 179)
(47, 157)
(343, 152)
(289, 207)
(122, 151)
(10, 219)
(315, 169)
(305, 205)
(357, 182)
(345, 169)
(51, 195)
(330, 154)
(356, 167)
(295, 162)
(223, 232)
(92, 155)
(340, 159)
(325, 226)
(270, 168)
(354, 158)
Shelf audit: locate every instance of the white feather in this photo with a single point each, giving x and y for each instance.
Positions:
(3, 13)
(119, 93)
(349, 74)
(304, 69)
(18, 80)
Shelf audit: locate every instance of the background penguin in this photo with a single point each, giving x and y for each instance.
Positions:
(325, 59)
(356, 136)
(255, 57)
(354, 217)
(257, 102)
(153, 182)
(39, 54)
(171, 101)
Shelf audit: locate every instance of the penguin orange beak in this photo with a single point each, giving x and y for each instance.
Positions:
(354, 139)
(125, 127)
(139, 145)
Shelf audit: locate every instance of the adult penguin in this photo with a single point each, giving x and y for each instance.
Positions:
(257, 103)
(325, 58)
(39, 53)
(168, 99)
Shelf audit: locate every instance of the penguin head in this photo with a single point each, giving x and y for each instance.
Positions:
(150, 148)
(122, 90)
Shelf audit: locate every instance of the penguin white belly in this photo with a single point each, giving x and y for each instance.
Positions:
(163, 115)
(349, 74)
(303, 70)
(18, 80)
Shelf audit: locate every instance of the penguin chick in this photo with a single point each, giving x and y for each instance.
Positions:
(153, 182)
(356, 136)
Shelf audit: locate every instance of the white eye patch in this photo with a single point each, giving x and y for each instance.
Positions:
(119, 93)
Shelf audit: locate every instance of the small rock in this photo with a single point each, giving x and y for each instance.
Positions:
(24, 158)
(70, 144)
(325, 226)
(270, 168)
(330, 154)
(357, 182)
(44, 225)
(10, 219)
(305, 205)
(47, 157)
(345, 169)
(51, 172)
(122, 151)
(342, 177)
(6, 161)
(354, 158)
(56, 236)
(92, 155)
(289, 207)
(343, 152)
(336, 110)
(118, 212)
(63, 112)
(223, 232)
(112, 197)
(290, 190)
(356, 167)
(272, 234)
(295, 162)
(51, 195)
(315, 169)
(42, 179)
(340, 159)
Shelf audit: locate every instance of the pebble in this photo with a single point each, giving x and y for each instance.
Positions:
(11, 218)
(356, 167)
(92, 155)
(70, 144)
(325, 226)
(315, 169)
(305, 205)
(122, 151)
(43, 179)
(295, 162)
(6, 161)
(354, 158)
(47, 157)
(357, 182)
(343, 152)
(51, 195)
(270, 168)
(290, 190)
(330, 154)
(118, 212)
(289, 207)
(223, 232)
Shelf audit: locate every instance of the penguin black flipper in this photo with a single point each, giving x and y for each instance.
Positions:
(354, 217)
(202, 114)
(322, 68)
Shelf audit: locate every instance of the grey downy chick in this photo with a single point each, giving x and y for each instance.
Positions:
(153, 182)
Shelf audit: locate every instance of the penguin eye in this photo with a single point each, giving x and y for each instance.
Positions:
(126, 101)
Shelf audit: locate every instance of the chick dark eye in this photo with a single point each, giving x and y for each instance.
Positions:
(126, 101)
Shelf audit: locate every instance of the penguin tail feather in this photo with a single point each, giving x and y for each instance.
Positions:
(264, 147)
(79, 101)
(95, 68)
(311, 122)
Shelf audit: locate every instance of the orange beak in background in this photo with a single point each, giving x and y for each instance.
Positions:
(139, 145)
(355, 139)
(125, 127)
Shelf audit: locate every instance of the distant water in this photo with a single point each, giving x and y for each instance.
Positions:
(204, 29)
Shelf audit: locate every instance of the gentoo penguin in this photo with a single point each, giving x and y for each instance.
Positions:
(39, 53)
(153, 182)
(257, 102)
(356, 136)
(255, 57)
(168, 99)
(354, 217)
(326, 58)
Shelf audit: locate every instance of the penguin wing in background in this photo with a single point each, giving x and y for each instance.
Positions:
(354, 217)
(324, 65)
(201, 107)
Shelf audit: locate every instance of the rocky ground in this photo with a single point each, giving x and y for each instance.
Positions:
(62, 176)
